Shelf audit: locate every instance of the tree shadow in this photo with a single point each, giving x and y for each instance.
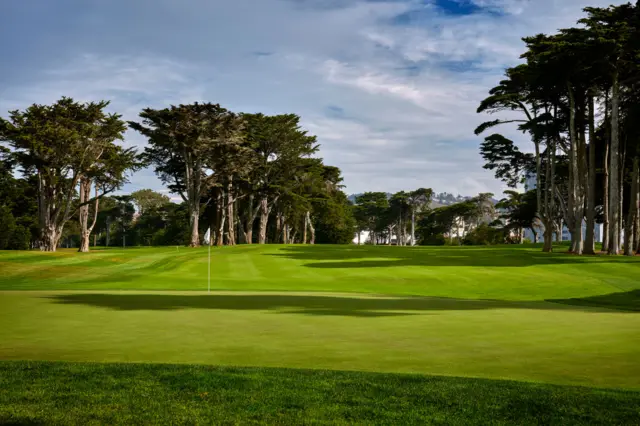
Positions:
(322, 305)
(388, 256)
(628, 301)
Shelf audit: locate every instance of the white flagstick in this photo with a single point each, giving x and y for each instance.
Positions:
(207, 240)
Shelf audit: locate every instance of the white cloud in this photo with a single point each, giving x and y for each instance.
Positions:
(408, 92)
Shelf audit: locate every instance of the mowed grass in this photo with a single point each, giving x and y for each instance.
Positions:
(65, 393)
(506, 272)
(506, 313)
(310, 326)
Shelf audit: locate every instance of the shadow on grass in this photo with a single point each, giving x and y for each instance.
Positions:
(388, 256)
(342, 306)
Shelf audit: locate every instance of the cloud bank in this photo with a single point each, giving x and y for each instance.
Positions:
(389, 87)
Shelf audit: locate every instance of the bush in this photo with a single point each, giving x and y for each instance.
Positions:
(434, 240)
(484, 235)
(7, 226)
(20, 238)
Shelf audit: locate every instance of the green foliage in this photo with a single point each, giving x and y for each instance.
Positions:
(503, 156)
(61, 144)
(147, 199)
(13, 236)
(185, 140)
(7, 226)
(484, 235)
(334, 221)
(20, 238)
(281, 150)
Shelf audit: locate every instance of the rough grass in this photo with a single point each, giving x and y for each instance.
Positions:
(63, 393)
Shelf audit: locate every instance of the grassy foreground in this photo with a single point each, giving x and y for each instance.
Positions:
(62, 393)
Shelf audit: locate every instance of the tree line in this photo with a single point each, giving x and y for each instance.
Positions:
(577, 96)
(415, 218)
(251, 177)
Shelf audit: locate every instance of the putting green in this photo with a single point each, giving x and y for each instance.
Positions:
(535, 341)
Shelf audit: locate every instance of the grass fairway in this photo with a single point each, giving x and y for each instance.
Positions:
(496, 313)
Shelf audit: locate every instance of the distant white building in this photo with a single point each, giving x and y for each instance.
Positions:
(364, 238)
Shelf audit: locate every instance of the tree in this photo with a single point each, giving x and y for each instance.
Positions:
(518, 210)
(60, 143)
(614, 28)
(371, 208)
(185, 142)
(107, 173)
(20, 209)
(279, 145)
(418, 202)
(147, 199)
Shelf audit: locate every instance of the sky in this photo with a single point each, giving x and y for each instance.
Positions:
(389, 87)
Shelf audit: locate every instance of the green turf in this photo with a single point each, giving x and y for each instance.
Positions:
(62, 393)
(506, 273)
(340, 313)
(507, 313)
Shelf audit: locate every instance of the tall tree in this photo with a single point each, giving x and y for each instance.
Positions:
(148, 199)
(614, 28)
(371, 208)
(184, 143)
(279, 144)
(418, 202)
(60, 144)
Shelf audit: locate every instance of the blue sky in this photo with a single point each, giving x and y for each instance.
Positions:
(389, 87)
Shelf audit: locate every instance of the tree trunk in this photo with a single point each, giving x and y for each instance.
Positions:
(221, 217)
(230, 213)
(413, 227)
(264, 218)
(284, 229)
(252, 213)
(637, 221)
(622, 162)
(312, 230)
(83, 214)
(539, 184)
(194, 218)
(49, 238)
(549, 195)
(306, 225)
(278, 237)
(605, 206)
(575, 201)
(614, 181)
(629, 249)
(589, 243)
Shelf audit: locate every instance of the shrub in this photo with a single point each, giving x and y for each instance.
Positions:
(20, 238)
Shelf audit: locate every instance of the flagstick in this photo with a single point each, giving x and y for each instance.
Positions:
(209, 270)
